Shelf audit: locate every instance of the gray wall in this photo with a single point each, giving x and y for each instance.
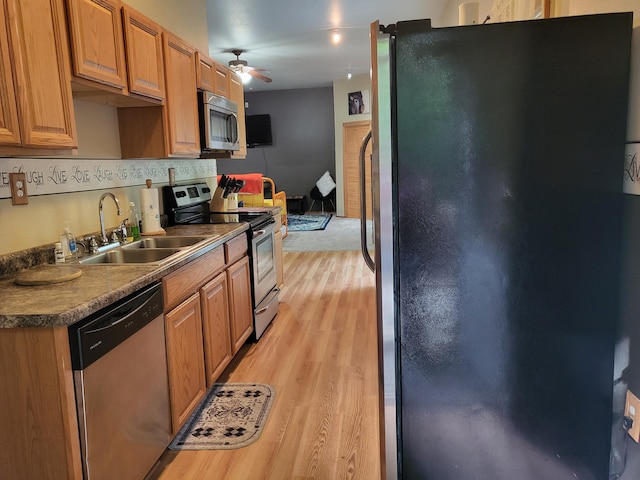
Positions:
(303, 139)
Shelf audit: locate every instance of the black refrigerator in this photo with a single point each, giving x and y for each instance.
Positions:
(498, 155)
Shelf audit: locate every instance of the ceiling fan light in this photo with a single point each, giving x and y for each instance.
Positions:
(245, 77)
(336, 36)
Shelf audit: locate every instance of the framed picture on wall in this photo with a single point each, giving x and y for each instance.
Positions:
(359, 102)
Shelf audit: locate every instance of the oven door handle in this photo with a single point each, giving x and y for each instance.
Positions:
(265, 308)
(258, 233)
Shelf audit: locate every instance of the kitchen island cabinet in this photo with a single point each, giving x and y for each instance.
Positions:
(40, 119)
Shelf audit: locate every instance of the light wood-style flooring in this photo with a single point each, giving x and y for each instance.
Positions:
(320, 354)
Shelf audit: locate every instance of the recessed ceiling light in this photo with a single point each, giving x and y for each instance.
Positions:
(336, 36)
(349, 75)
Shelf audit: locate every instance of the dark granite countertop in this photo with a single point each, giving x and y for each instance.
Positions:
(64, 303)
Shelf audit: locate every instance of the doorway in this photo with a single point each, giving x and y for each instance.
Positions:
(353, 133)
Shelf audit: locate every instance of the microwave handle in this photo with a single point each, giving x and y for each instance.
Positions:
(207, 126)
(232, 120)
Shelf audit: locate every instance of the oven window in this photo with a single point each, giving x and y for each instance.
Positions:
(265, 263)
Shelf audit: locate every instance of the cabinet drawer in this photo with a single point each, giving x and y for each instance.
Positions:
(180, 284)
(236, 248)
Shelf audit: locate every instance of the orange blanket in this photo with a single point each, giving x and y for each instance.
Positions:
(252, 182)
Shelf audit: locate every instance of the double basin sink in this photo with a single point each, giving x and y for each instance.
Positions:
(149, 250)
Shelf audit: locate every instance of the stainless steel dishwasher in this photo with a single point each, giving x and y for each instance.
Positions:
(122, 397)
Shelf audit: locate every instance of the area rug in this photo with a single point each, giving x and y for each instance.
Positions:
(308, 223)
(232, 415)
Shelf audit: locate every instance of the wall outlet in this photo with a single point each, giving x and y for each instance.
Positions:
(18, 182)
(632, 410)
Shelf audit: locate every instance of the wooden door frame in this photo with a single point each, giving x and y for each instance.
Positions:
(345, 125)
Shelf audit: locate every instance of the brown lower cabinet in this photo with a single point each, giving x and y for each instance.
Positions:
(207, 310)
(183, 327)
(214, 298)
(208, 326)
(240, 296)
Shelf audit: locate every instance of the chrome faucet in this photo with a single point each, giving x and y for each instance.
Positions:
(104, 238)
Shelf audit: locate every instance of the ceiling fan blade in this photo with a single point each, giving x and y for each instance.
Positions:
(258, 75)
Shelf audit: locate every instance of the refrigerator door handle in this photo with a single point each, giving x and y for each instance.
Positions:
(363, 205)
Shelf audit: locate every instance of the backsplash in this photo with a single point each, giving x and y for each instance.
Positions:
(53, 175)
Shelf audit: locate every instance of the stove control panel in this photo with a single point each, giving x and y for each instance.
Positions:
(186, 195)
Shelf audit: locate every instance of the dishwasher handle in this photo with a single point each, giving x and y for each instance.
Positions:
(98, 334)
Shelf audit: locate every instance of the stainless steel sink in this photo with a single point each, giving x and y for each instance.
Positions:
(166, 242)
(123, 255)
(157, 250)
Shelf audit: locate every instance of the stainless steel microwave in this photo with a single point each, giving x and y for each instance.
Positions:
(218, 123)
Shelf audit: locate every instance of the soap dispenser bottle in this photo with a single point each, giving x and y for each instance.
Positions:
(69, 246)
(133, 228)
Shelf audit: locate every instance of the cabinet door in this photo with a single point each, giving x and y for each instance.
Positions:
(9, 127)
(145, 64)
(97, 42)
(181, 108)
(236, 92)
(279, 268)
(222, 79)
(215, 327)
(240, 308)
(185, 359)
(205, 73)
(40, 55)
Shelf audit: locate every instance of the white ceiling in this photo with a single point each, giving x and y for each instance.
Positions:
(292, 38)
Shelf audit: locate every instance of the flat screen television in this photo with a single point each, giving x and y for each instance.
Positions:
(258, 130)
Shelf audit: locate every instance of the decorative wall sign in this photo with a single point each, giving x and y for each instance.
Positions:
(51, 175)
(631, 182)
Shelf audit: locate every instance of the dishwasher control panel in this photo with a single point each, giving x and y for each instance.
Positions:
(96, 335)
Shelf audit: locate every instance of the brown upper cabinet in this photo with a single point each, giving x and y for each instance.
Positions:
(182, 101)
(36, 106)
(101, 31)
(171, 130)
(236, 93)
(9, 127)
(95, 29)
(205, 72)
(143, 44)
(212, 75)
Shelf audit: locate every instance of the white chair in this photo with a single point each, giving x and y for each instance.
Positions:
(323, 190)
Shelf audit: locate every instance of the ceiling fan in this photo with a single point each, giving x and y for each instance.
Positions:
(241, 68)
